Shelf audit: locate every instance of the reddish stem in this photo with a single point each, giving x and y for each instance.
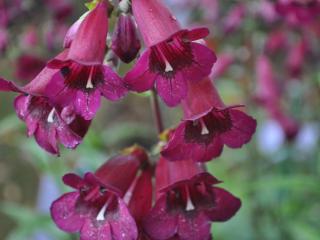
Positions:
(157, 111)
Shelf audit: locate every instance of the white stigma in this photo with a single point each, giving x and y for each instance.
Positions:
(89, 82)
(204, 129)
(100, 216)
(50, 116)
(190, 205)
(168, 67)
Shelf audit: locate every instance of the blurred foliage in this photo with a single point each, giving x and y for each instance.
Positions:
(279, 189)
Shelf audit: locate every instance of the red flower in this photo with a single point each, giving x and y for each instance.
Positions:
(97, 208)
(187, 201)
(83, 78)
(172, 58)
(208, 126)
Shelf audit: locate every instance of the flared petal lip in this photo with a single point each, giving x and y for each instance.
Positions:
(200, 115)
(192, 35)
(205, 176)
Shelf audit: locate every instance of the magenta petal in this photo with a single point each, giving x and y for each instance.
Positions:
(172, 89)
(194, 226)
(198, 33)
(226, 205)
(87, 103)
(7, 86)
(72, 180)
(204, 59)
(213, 150)
(243, 127)
(140, 78)
(159, 223)
(58, 92)
(95, 230)
(63, 212)
(46, 137)
(21, 104)
(113, 87)
(68, 138)
(122, 224)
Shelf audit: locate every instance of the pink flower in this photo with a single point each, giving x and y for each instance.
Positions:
(296, 57)
(234, 18)
(172, 57)
(208, 126)
(125, 40)
(186, 202)
(48, 123)
(277, 40)
(96, 208)
(83, 78)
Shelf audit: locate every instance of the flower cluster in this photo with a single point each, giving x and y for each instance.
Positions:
(120, 199)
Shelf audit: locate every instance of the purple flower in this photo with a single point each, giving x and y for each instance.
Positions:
(125, 40)
(97, 209)
(172, 57)
(83, 78)
(187, 201)
(208, 126)
(50, 124)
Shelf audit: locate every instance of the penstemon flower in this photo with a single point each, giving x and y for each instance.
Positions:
(97, 208)
(208, 125)
(187, 201)
(172, 57)
(83, 78)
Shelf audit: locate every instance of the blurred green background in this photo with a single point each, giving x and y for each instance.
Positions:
(276, 178)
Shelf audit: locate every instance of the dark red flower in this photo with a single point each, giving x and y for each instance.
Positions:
(50, 124)
(172, 58)
(83, 78)
(97, 209)
(208, 126)
(187, 201)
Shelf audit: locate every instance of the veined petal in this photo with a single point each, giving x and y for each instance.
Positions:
(203, 61)
(88, 103)
(64, 214)
(113, 87)
(172, 89)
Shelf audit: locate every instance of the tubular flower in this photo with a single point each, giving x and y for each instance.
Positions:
(187, 201)
(97, 209)
(125, 40)
(49, 123)
(83, 78)
(208, 126)
(172, 58)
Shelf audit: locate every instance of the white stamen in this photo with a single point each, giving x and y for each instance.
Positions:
(190, 205)
(204, 129)
(89, 82)
(100, 216)
(168, 67)
(50, 116)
